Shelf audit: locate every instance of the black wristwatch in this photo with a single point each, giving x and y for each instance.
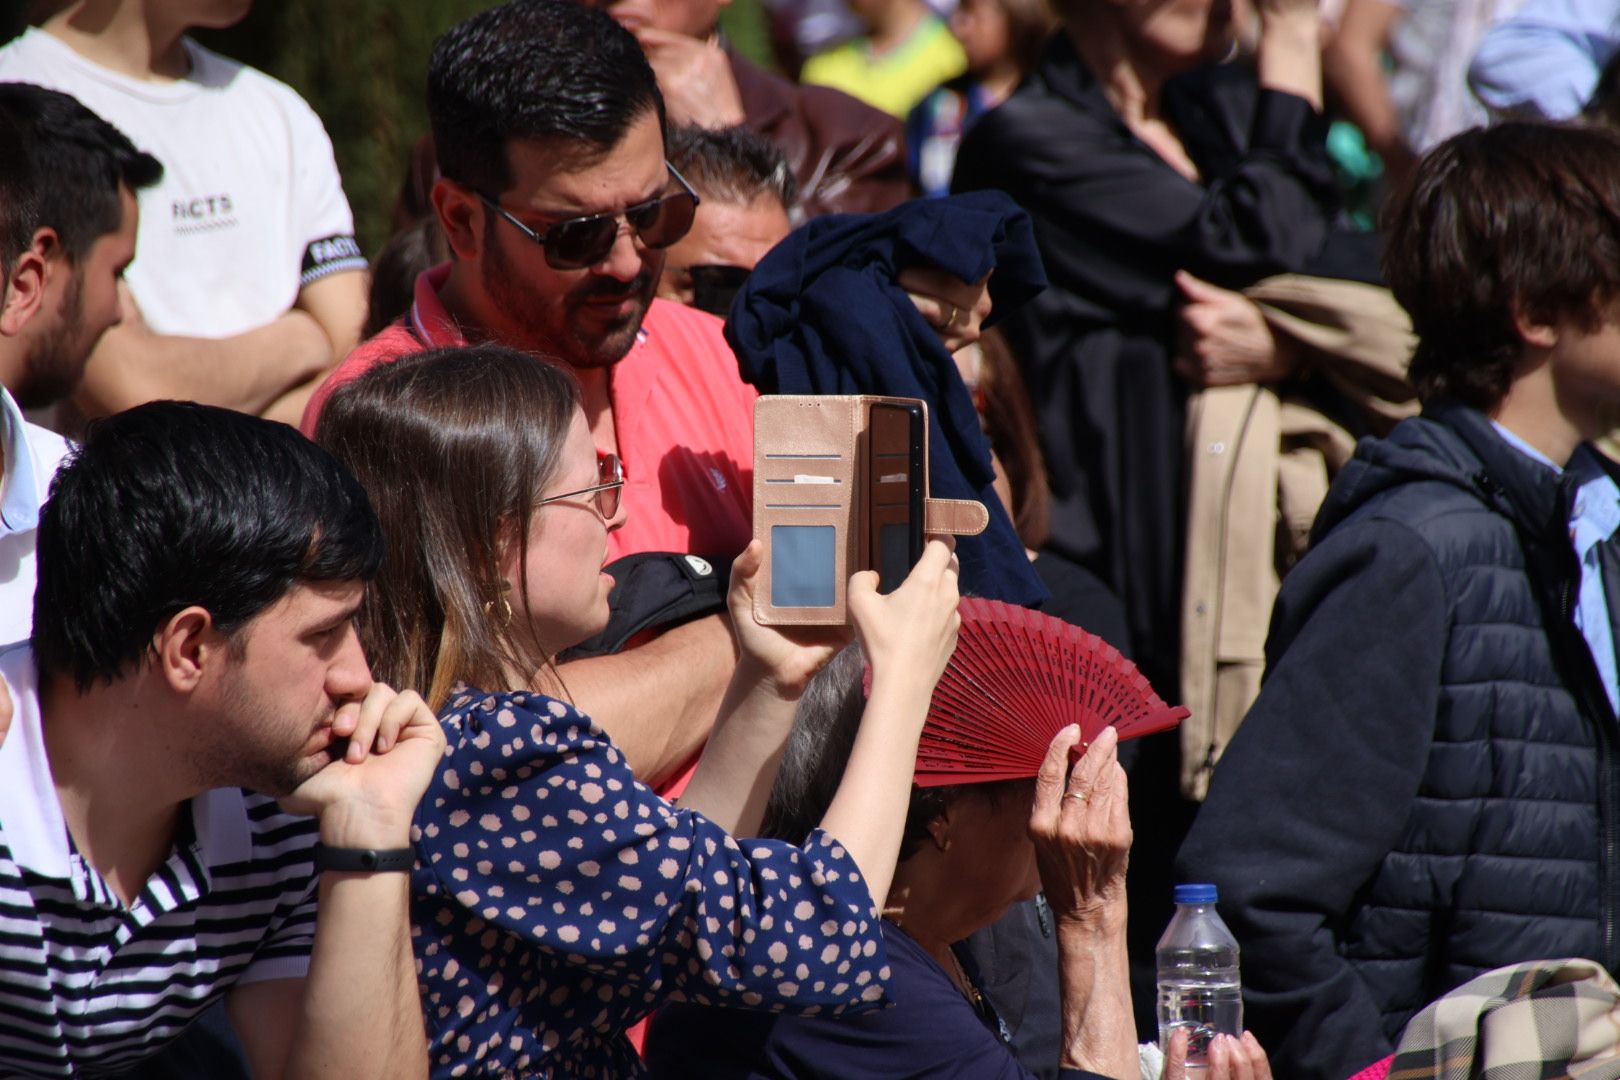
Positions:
(364, 860)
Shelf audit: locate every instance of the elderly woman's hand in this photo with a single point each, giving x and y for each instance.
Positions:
(1081, 826)
(1229, 1058)
(1082, 829)
(785, 657)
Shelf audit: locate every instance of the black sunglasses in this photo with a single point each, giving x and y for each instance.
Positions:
(578, 242)
(715, 286)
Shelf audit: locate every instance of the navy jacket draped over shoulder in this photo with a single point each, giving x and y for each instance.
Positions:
(821, 314)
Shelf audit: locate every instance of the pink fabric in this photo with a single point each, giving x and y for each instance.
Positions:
(425, 325)
(1378, 1070)
(682, 416)
(685, 427)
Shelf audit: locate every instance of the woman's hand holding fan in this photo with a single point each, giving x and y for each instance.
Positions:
(1017, 678)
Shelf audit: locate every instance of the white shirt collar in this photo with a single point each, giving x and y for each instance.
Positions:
(19, 488)
(1526, 449)
(1595, 514)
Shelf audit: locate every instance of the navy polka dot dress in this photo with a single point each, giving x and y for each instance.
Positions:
(557, 900)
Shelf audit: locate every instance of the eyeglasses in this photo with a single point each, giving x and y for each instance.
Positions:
(605, 495)
(577, 242)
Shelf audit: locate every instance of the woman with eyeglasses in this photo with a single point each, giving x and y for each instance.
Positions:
(556, 900)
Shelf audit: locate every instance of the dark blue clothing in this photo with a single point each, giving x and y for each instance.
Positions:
(932, 1032)
(821, 314)
(1426, 787)
(556, 901)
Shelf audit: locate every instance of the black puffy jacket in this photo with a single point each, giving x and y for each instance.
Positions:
(1427, 786)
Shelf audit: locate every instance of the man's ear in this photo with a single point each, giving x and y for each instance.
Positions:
(186, 647)
(25, 287)
(461, 215)
(1534, 331)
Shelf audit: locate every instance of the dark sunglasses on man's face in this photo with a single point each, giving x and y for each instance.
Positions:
(578, 242)
(715, 286)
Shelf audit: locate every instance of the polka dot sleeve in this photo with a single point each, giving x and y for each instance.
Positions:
(557, 900)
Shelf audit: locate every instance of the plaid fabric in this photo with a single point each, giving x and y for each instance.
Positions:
(1536, 1021)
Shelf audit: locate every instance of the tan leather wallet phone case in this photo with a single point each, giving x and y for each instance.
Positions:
(838, 482)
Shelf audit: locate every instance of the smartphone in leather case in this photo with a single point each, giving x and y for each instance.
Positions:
(840, 486)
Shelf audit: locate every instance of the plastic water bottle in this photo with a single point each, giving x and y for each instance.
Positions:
(1199, 986)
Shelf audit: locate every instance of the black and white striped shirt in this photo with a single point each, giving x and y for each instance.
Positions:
(88, 984)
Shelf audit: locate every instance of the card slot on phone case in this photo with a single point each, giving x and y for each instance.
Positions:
(804, 571)
(791, 497)
(806, 565)
(782, 471)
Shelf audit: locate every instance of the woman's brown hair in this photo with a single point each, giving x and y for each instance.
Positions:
(1009, 422)
(1030, 26)
(454, 447)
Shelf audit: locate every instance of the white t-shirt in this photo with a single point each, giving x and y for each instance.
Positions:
(250, 208)
(31, 457)
(1431, 47)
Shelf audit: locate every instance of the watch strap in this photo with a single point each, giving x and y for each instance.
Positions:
(364, 860)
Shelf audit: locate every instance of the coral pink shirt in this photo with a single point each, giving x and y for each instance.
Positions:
(683, 417)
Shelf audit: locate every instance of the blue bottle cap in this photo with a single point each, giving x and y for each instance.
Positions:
(1195, 894)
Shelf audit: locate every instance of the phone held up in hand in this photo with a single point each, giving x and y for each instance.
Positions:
(840, 486)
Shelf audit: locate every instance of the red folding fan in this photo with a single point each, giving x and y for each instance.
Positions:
(1016, 679)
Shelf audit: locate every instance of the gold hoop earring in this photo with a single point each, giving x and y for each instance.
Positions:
(506, 611)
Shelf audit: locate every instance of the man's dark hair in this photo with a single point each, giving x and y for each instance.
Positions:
(732, 165)
(547, 70)
(1519, 218)
(18, 197)
(79, 161)
(172, 504)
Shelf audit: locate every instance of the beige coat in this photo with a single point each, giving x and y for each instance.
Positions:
(1260, 462)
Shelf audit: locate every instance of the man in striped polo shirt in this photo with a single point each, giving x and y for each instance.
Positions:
(195, 736)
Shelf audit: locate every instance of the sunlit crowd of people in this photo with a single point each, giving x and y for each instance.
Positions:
(389, 680)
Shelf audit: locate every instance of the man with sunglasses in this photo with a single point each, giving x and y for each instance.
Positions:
(747, 195)
(558, 203)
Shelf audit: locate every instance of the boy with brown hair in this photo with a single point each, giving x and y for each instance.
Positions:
(1429, 784)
